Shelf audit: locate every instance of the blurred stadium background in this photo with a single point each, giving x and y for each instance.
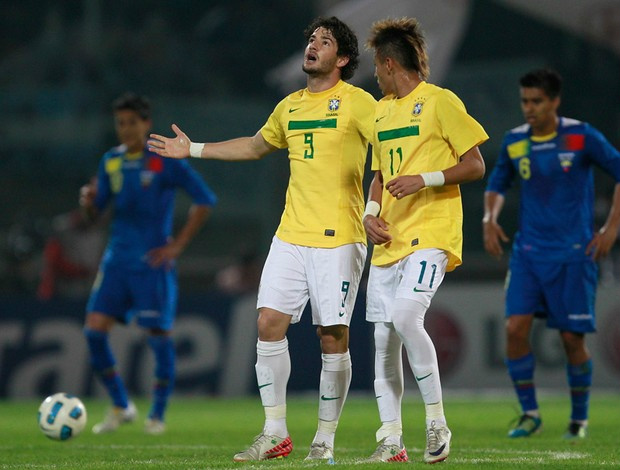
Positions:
(217, 68)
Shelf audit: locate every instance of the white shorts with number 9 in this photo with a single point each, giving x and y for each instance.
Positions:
(328, 277)
(415, 277)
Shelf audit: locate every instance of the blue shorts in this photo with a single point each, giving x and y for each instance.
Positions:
(150, 295)
(564, 293)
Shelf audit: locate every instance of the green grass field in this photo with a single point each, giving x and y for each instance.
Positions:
(204, 433)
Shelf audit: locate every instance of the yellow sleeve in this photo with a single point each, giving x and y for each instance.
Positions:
(364, 107)
(458, 128)
(273, 131)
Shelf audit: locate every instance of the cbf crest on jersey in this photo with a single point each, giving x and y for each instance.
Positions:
(417, 108)
(333, 104)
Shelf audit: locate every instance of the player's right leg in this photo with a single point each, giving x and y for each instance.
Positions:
(389, 387)
(523, 298)
(389, 382)
(102, 359)
(273, 368)
(107, 296)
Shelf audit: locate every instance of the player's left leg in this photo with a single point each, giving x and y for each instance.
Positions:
(573, 313)
(162, 345)
(408, 317)
(334, 385)
(155, 294)
(333, 279)
(422, 274)
(579, 375)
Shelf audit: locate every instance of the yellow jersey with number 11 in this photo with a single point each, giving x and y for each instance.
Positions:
(327, 137)
(427, 130)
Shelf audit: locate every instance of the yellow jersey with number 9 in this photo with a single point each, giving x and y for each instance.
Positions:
(327, 136)
(427, 130)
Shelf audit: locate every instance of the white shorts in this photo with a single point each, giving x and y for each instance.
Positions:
(328, 277)
(415, 277)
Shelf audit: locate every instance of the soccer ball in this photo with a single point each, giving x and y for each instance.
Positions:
(61, 416)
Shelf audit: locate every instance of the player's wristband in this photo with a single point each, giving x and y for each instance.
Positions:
(195, 149)
(372, 208)
(434, 178)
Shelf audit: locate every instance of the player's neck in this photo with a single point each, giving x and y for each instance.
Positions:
(319, 83)
(405, 83)
(546, 129)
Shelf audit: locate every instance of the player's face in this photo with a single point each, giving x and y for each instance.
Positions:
(382, 73)
(131, 129)
(539, 110)
(321, 55)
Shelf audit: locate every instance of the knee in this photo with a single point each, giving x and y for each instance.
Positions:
(574, 343)
(516, 332)
(334, 338)
(272, 325)
(98, 322)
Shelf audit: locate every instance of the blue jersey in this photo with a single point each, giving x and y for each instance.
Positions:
(557, 186)
(141, 189)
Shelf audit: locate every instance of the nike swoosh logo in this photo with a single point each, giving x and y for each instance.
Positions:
(292, 110)
(323, 397)
(438, 451)
(264, 385)
(341, 314)
(422, 378)
(415, 289)
(378, 119)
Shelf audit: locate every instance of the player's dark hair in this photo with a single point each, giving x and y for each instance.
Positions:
(346, 39)
(130, 101)
(547, 80)
(402, 40)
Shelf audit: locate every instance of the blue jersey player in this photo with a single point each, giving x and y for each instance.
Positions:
(552, 269)
(137, 276)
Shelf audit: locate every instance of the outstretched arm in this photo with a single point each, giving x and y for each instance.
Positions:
(180, 146)
(469, 168)
(605, 238)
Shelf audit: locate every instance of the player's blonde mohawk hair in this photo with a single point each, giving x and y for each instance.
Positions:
(403, 40)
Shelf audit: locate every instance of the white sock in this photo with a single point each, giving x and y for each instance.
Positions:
(388, 381)
(408, 318)
(273, 368)
(333, 389)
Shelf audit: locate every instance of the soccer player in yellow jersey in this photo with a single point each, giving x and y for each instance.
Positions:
(319, 249)
(425, 145)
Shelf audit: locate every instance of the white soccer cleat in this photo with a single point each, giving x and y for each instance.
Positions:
(321, 451)
(154, 426)
(388, 453)
(265, 447)
(115, 417)
(437, 443)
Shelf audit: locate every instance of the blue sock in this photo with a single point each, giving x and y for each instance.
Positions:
(579, 381)
(163, 347)
(102, 360)
(522, 374)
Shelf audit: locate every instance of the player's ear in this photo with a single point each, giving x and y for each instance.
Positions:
(342, 61)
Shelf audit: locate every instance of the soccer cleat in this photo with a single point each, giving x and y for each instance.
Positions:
(154, 426)
(115, 417)
(321, 451)
(526, 426)
(437, 443)
(265, 447)
(576, 431)
(388, 453)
